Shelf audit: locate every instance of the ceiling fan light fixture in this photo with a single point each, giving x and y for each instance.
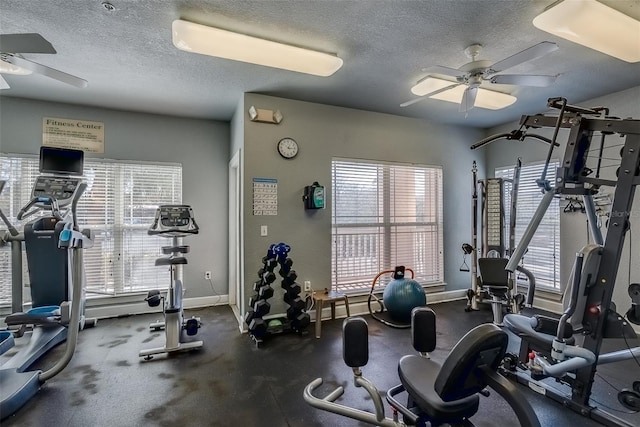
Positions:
(594, 25)
(7, 68)
(219, 43)
(488, 99)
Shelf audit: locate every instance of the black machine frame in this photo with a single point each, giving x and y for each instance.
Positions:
(574, 177)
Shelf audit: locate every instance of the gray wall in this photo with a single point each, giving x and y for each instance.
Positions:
(323, 132)
(573, 227)
(202, 147)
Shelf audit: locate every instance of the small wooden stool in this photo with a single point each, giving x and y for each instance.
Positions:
(330, 297)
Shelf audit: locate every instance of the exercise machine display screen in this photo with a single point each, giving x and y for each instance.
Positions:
(61, 161)
(175, 216)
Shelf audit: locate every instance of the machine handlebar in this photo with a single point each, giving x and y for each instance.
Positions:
(45, 201)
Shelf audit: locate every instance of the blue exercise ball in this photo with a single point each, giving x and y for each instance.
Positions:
(401, 296)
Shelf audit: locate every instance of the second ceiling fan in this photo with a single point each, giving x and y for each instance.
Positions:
(475, 73)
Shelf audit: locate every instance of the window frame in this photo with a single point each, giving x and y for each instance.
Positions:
(122, 232)
(542, 281)
(387, 233)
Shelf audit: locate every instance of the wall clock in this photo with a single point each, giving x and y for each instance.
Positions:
(288, 148)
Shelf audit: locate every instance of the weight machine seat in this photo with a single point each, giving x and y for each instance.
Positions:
(524, 327)
(418, 375)
(172, 260)
(493, 275)
(450, 392)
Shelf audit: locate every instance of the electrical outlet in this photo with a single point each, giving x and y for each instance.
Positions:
(207, 275)
(307, 285)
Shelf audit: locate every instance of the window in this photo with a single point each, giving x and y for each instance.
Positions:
(118, 205)
(543, 255)
(385, 215)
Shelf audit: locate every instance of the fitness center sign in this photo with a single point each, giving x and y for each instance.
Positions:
(76, 134)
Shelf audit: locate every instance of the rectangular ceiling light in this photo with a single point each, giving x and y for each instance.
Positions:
(594, 25)
(488, 99)
(212, 41)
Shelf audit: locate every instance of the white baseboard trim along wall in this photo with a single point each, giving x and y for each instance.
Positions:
(101, 309)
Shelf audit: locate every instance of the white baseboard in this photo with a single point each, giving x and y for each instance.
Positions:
(545, 304)
(360, 308)
(104, 311)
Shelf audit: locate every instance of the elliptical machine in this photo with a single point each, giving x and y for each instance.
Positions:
(54, 247)
(173, 221)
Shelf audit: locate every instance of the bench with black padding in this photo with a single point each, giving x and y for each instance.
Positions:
(451, 392)
(438, 394)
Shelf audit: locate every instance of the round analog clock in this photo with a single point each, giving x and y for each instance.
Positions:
(288, 148)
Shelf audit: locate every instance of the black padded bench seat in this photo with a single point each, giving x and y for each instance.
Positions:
(418, 376)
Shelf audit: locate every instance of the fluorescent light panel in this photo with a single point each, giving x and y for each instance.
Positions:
(212, 41)
(488, 99)
(594, 25)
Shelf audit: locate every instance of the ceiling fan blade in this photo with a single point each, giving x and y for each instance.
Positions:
(25, 43)
(439, 69)
(45, 71)
(468, 99)
(3, 83)
(426, 95)
(523, 80)
(528, 54)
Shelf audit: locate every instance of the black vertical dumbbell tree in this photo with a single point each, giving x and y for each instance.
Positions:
(297, 319)
(258, 304)
(297, 316)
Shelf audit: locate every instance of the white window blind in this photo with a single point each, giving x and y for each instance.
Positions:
(543, 255)
(118, 205)
(384, 215)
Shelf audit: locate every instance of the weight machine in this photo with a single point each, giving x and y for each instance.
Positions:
(569, 349)
(489, 279)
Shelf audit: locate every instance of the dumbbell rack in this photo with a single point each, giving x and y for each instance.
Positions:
(297, 319)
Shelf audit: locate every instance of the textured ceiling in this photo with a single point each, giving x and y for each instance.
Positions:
(131, 64)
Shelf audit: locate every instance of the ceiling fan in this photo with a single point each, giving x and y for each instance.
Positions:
(12, 62)
(478, 73)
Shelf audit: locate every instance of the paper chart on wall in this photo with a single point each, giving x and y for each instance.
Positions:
(72, 133)
(265, 196)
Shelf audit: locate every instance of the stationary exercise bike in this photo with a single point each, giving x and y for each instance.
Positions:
(173, 221)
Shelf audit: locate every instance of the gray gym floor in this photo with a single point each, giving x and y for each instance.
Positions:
(231, 382)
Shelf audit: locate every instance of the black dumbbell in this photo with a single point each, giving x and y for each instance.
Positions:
(300, 322)
(261, 308)
(289, 279)
(258, 328)
(254, 299)
(294, 290)
(257, 285)
(265, 292)
(293, 312)
(295, 302)
(269, 264)
(269, 277)
(249, 316)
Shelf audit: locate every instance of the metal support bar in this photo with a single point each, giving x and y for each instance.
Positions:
(530, 231)
(592, 217)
